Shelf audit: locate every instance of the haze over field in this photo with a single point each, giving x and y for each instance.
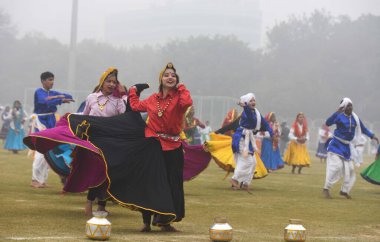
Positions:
(294, 55)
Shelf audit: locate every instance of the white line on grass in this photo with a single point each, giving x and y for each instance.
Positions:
(40, 238)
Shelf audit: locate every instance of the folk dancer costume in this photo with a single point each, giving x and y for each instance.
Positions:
(16, 132)
(196, 159)
(191, 127)
(220, 146)
(140, 163)
(296, 154)
(372, 172)
(100, 105)
(323, 135)
(230, 123)
(96, 104)
(44, 118)
(270, 151)
(244, 143)
(348, 130)
(165, 124)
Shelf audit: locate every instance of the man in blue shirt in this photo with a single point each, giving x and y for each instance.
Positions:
(244, 144)
(45, 106)
(349, 129)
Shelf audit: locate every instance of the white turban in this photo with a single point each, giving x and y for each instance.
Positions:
(247, 97)
(345, 101)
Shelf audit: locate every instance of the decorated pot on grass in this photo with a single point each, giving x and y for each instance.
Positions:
(221, 230)
(295, 231)
(98, 228)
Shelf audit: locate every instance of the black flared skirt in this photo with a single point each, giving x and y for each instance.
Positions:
(135, 166)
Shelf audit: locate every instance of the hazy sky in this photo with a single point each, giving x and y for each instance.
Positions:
(52, 17)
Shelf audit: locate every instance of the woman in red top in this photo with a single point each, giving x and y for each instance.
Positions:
(166, 111)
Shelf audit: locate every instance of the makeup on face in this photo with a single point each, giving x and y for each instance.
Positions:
(169, 78)
(109, 85)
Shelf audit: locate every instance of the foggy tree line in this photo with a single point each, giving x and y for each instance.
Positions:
(308, 63)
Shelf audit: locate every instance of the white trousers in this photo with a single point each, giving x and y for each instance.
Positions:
(336, 168)
(40, 168)
(245, 167)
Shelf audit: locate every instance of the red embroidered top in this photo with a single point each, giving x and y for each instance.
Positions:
(170, 123)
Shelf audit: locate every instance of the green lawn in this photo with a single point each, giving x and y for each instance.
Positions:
(30, 214)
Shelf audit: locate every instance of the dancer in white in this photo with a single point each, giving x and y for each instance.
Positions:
(243, 142)
(348, 130)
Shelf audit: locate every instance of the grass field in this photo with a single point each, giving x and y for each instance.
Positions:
(30, 214)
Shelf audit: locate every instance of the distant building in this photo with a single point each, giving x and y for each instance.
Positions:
(180, 19)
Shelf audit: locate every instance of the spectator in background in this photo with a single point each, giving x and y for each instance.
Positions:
(191, 127)
(205, 132)
(284, 138)
(323, 135)
(16, 132)
(6, 118)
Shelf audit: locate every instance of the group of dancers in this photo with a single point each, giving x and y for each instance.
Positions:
(341, 146)
(114, 153)
(119, 156)
(255, 143)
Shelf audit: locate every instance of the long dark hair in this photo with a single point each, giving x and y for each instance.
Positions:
(20, 109)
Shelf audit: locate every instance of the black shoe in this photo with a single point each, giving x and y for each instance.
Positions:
(345, 194)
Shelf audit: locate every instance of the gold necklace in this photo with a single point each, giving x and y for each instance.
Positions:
(101, 106)
(161, 111)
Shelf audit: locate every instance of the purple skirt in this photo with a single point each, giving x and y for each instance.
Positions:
(196, 160)
(87, 160)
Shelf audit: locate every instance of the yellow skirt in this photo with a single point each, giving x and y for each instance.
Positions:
(220, 148)
(297, 154)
